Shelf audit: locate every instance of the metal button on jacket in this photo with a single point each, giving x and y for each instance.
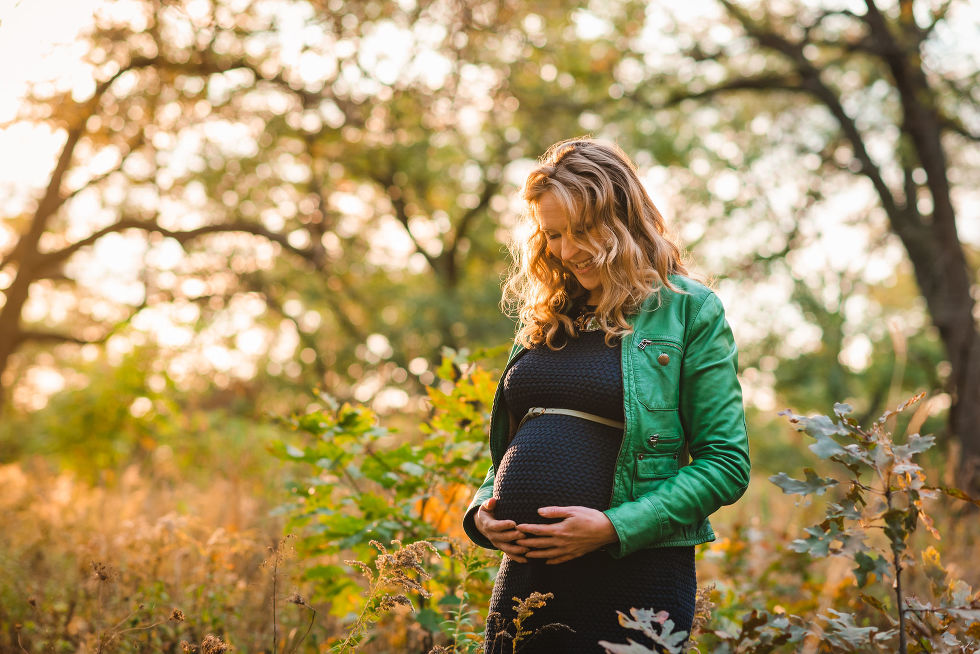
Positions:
(664, 358)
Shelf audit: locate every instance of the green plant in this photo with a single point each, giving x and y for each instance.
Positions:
(365, 481)
(874, 495)
(879, 489)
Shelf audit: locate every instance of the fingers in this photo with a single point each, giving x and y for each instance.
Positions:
(540, 530)
(557, 511)
(514, 552)
(508, 536)
(548, 553)
(538, 542)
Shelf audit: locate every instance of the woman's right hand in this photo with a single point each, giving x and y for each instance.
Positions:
(502, 533)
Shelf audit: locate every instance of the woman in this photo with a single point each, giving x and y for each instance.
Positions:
(618, 425)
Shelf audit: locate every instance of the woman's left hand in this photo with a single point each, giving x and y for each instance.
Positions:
(581, 530)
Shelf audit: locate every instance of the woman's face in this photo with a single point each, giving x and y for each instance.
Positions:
(553, 221)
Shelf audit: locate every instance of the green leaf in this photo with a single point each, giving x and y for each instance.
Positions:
(812, 483)
(429, 619)
(816, 545)
(826, 447)
(867, 565)
(842, 409)
(821, 426)
(915, 445)
(899, 525)
(413, 469)
(846, 509)
(842, 632)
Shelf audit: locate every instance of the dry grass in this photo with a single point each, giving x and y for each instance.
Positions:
(149, 563)
(144, 563)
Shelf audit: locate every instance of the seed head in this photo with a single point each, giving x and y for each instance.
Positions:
(101, 570)
(213, 645)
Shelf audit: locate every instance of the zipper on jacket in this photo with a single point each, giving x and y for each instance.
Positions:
(656, 438)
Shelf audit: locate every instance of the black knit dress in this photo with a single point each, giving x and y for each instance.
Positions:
(559, 460)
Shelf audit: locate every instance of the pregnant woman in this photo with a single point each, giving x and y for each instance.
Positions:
(618, 425)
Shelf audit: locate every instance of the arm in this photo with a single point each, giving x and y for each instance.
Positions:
(713, 418)
(483, 493)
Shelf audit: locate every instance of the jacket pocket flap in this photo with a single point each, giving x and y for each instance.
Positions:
(656, 466)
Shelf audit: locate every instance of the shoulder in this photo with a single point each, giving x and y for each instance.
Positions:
(686, 299)
(681, 313)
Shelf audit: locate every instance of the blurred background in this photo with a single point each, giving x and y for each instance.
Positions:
(214, 211)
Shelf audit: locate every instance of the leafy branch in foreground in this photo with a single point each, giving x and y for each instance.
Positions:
(874, 505)
(363, 480)
(655, 625)
(879, 488)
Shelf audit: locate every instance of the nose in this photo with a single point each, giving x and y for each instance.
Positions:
(568, 248)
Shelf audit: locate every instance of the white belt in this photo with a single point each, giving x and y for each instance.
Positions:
(536, 411)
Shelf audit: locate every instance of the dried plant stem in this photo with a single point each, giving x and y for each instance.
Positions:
(275, 582)
(354, 633)
(897, 564)
(309, 627)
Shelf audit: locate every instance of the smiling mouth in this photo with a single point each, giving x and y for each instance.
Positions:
(581, 266)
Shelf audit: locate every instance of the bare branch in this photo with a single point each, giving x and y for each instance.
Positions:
(812, 82)
(489, 188)
(181, 236)
(132, 146)
(938, 15)
(397, 198)
(748, 83)
(956, 126)
(41, 336)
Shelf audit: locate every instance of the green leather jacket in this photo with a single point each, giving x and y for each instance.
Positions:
(685, 450)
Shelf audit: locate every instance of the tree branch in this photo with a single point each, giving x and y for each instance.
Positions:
(132, 146)
(181, 236)
(398, 203)
(749, 83)
(955, 125)
(812, 82)
(42, 336)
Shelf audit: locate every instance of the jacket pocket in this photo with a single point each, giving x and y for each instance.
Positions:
(658, 371)
(650, 469)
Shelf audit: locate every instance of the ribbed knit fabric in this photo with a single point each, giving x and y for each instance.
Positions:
(558, 460)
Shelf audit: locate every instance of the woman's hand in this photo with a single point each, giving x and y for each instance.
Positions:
(581, 530)
(502, 533)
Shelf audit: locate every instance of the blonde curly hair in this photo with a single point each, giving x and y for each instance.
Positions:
(611, 217)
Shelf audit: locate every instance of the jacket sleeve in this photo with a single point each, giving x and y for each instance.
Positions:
(713, 419)
(483, 493)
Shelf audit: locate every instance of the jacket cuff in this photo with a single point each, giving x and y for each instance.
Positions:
(637, 523)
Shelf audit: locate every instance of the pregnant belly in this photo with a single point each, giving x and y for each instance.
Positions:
(556, 460)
